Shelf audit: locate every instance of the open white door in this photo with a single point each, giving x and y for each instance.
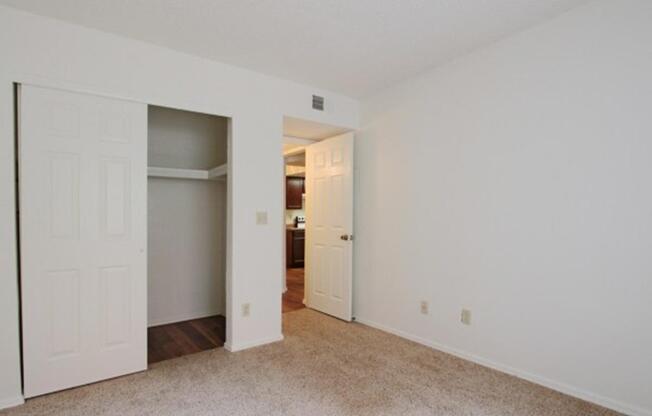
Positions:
(83, 190)
(329, 226)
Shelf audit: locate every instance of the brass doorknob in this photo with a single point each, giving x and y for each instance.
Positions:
(346, 237)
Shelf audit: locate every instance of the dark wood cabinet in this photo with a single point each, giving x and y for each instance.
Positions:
(295, 247)
(294, 188)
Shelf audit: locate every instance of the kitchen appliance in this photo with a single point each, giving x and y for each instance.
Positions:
(300, 221)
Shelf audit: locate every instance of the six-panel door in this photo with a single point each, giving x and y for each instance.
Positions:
(82, 187)
(329, 220)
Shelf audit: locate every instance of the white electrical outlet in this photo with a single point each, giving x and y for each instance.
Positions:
(246, 309)
(424, 307)
(465, 317)
(261, 217)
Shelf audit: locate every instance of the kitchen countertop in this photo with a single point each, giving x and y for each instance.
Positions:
(292, 227)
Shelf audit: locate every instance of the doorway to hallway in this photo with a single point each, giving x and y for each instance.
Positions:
(318, 232)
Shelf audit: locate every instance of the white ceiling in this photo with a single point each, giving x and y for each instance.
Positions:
(306, 129)
(355, 47)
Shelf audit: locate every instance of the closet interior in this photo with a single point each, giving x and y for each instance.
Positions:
(187, 203)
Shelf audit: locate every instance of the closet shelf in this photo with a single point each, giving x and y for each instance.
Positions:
(210, 174)
(217, 171)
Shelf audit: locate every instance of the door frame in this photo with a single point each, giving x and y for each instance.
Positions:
(307, 142)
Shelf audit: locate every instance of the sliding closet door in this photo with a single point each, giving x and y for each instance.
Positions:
(83, 179)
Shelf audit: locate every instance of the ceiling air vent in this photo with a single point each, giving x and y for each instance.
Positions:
(318, 103)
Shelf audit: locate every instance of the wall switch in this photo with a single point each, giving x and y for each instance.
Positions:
(465, 317)
(261, 217)
(424, 307)
(246, 309)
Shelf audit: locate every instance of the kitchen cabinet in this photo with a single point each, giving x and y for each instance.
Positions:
(294, 247)
(294, 189)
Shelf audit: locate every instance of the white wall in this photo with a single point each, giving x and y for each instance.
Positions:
(186, 248)
(48, 52)
(185, 140)
(516, 182)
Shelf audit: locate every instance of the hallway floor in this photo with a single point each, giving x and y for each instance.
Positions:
(293, 297)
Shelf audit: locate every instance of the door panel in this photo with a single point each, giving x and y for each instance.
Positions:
(83, 178)
(63, 289)
(115, 183)
(64, 195)
(329, 216)
(115, 294)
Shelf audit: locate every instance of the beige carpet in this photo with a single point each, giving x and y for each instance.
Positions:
(323, 367)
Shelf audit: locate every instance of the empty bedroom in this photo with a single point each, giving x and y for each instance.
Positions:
(301, 207)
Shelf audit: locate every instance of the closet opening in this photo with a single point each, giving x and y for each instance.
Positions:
(187, 223)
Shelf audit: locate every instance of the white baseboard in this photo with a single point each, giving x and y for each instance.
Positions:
(246, 345)
(551, 384)
(8, 402)
(181, 318)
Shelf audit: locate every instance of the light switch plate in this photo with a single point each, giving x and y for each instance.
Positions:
(261, 218)
(465, 317)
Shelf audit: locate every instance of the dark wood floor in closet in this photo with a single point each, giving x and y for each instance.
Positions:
(188, 337)
(293, 297)
(182, 338)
